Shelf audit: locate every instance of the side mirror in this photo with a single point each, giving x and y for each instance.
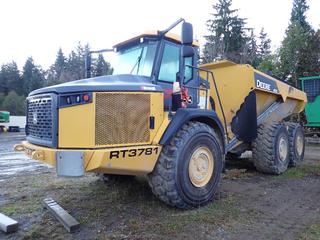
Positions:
(186, 33)
(187, 51)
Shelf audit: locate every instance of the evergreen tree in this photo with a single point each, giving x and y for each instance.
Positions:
(2, 97)
(56, 72)
(228, 35)
(249, 52)
(14, 103)
(297, 49)
(10, 78)
(101, 67)
(264, 46)
(60, 64)
(263, 50)
(75, 68)
(299, 8)
(32, 76)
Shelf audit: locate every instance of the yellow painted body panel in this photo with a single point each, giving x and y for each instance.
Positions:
(76, 126)
(156, 110)
(77, 123)
(100, 160)
(77, 133)
(234, 83)
(162, 128)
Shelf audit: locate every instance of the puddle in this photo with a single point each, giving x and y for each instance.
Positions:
(12, 163)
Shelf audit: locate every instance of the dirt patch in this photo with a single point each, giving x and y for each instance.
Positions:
(248, 205)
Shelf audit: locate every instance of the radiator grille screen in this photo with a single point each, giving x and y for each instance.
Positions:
(312, 88)
(122, 118)
(39, 117)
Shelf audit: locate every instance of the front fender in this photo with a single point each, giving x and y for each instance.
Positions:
(184, 115)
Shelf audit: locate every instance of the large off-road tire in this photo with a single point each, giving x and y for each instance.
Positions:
(270, 150)
(296, 143)
(188, 170)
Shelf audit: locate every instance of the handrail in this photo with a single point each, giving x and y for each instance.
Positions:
(216, 89)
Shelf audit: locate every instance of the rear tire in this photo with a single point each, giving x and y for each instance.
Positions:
(189, 169)
(297, 144)
(270, 150)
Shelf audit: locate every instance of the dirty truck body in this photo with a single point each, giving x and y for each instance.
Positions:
(162, 116)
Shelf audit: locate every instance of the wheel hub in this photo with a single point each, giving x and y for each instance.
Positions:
(201, 167)
(283, 149)
(299, 145)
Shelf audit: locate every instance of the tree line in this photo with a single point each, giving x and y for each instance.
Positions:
(15, 85)
(230, 38)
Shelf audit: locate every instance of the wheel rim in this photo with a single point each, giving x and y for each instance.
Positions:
(283, 148)
(201, 167)
(299, 145)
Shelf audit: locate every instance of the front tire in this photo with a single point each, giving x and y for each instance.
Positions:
(188, 170)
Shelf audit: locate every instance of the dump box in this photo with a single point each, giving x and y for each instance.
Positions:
(246, 93)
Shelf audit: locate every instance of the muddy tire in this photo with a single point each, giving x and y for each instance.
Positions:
(188, 170)
(270, 150)
(297, 144)
(114, 178)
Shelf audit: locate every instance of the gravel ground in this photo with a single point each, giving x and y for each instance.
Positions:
(248, 205)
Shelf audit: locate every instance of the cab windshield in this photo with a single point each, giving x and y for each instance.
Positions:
(137, 60)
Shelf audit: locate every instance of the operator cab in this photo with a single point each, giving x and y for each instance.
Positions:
(165, 58)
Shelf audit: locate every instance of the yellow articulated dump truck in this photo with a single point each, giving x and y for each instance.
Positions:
(163, 116)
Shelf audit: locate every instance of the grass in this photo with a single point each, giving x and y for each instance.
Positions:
(9, 210)
(126, 209)
(235, 174)
(312, 233)
(33, 233)
(299, 172)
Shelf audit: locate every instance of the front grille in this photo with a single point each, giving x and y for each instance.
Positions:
(40, 122)
(122, 118)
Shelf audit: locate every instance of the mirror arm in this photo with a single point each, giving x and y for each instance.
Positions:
(163, 32)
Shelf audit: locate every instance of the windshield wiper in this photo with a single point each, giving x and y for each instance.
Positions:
(137, 62)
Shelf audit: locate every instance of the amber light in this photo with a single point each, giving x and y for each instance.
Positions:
(86, 97)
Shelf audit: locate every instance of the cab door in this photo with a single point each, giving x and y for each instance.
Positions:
(169, 68)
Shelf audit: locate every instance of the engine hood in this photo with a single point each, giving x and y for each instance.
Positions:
(114, 83)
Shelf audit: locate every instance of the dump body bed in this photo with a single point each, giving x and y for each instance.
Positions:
(235, 82)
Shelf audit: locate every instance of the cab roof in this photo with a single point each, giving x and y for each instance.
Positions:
(169, 36)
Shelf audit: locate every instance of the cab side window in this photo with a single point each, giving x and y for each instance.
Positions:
(188, 71)
(170, 63)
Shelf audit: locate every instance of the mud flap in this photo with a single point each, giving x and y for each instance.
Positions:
(70, 163)
(244, 124)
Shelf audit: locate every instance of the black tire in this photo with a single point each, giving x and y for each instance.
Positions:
(170, 180)
(297, 143)
(269, 155)
(114, 178)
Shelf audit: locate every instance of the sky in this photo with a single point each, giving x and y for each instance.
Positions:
(38, 28)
